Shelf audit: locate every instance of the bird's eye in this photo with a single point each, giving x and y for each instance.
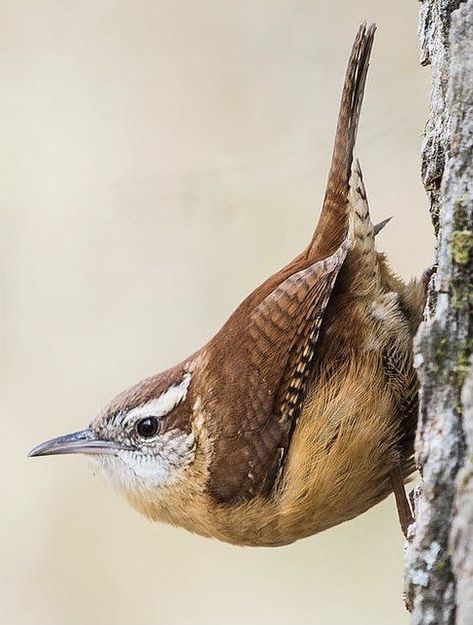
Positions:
(147, 427)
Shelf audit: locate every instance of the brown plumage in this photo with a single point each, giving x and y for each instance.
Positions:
(299, 414)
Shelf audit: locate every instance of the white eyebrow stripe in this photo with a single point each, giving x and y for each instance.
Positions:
(163, 404)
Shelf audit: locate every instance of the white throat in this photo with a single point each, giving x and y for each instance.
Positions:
(134, 471)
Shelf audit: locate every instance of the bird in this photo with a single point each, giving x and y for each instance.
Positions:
(300, 413)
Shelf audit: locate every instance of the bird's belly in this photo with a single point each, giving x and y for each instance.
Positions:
(344, 446)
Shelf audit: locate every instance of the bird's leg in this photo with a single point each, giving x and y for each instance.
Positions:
(402, 503)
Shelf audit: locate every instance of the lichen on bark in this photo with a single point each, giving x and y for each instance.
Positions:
(439, 559)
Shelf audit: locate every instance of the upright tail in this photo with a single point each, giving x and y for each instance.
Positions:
(332, 226)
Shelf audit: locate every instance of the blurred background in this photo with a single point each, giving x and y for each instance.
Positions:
(160, 159)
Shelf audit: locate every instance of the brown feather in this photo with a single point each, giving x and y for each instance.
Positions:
(252, 393)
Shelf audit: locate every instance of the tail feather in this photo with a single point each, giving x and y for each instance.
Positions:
(362, 257)
(332, 227)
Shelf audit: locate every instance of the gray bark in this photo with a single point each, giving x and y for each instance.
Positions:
(439, 559)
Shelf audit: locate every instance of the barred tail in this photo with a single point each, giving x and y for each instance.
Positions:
(332, 226)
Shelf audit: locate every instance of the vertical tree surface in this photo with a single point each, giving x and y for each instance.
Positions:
(439, 561)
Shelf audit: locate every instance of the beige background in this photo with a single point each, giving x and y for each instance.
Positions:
(159, 159)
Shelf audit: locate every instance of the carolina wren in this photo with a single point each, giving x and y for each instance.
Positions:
(300, 412)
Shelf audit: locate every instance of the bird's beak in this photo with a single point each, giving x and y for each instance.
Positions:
(83, 442)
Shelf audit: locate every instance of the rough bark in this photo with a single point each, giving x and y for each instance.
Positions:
(439, 566)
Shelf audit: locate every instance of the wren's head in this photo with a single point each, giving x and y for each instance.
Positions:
(143, 439)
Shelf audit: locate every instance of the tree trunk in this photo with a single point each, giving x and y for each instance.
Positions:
(439, 560)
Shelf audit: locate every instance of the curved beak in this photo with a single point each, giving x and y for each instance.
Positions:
(83, 442)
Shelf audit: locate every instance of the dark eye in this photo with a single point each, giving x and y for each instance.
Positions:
(147, 427)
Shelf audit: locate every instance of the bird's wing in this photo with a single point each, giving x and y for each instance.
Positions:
(263, 388)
